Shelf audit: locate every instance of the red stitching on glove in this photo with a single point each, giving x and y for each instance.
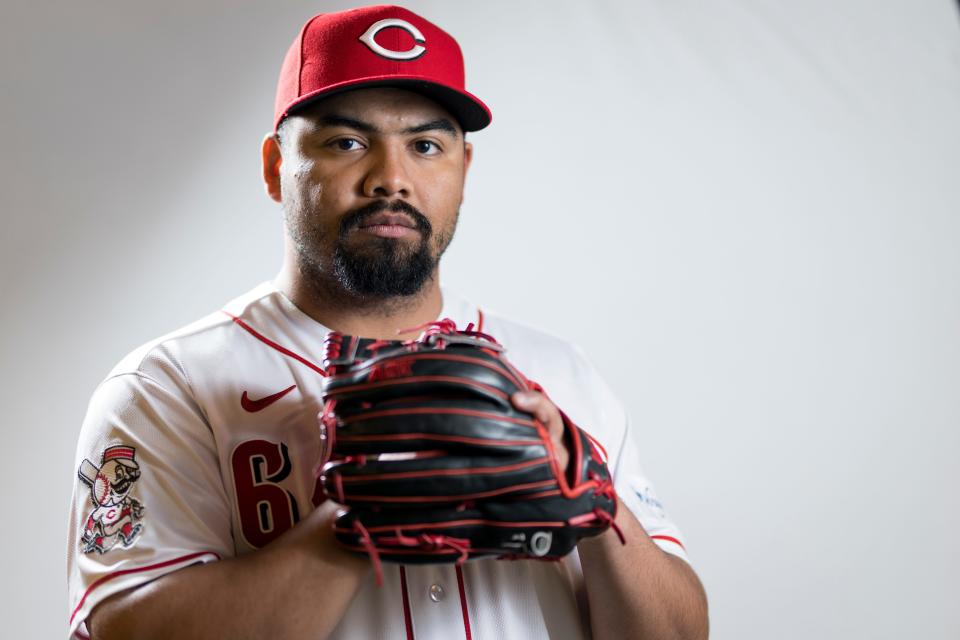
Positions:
(371, 550)
(593, 516)
(358, 459)
(417, 380)
(603, 515)
(461, 545)
(595, 444)
(472, 496)
(333, 344)
(333, 347)
(498, 524)
(427, 542)
(604, 486)
(416, 357)
(328, 435)
(378, 344)
(406, 541)
(338, 485)
(446, 326)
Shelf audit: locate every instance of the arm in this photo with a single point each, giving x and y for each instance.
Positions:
(299, 586)
(637, 590)
(634, 590)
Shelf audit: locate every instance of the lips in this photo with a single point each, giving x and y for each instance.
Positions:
(382, 219)
(388, 224)
(389, 219)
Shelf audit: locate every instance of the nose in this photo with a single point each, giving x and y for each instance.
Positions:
(387, 175)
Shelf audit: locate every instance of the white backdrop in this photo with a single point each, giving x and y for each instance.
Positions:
(747, 212)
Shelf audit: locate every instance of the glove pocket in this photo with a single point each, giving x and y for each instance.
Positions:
(473, 427)
(436, 477)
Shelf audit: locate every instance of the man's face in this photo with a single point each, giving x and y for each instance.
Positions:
(371, 184)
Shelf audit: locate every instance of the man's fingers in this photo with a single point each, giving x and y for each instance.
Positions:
(544, 411)
(541, 408)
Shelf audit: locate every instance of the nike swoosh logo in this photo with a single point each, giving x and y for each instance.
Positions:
(253, 406)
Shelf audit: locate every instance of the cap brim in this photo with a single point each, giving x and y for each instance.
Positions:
(470, 111)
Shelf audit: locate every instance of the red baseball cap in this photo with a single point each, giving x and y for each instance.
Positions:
(381, 46)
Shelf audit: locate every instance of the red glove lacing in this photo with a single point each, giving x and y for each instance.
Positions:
(424, 541)
(367, 542)
(443, 327)
(606, 489)
(429, 542)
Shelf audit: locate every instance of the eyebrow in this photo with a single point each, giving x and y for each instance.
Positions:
(336, 120)
(440, 124)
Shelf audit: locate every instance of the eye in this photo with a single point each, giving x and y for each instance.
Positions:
(426, 147)
(346, 144)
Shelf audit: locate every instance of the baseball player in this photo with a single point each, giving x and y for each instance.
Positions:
(199, 510)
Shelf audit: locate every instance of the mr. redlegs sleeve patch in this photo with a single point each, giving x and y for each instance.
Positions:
(116, 516)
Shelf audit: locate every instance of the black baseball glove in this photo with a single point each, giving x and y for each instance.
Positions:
(434, 464)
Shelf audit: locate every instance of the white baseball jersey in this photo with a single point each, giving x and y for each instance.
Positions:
(202, 445)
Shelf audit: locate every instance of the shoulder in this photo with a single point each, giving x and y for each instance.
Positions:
(201, 342)
(564, 371)
(529, 349)
(525, 346)
(532, 349)
(179, 383)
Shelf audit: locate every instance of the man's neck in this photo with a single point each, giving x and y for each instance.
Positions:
(361, 316)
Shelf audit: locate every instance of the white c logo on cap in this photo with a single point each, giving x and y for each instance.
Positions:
(411, 54)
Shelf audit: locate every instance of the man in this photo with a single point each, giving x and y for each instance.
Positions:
(232, 537)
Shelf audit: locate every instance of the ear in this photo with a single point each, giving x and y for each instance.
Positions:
(467, 159)
(272, 159)
(467, 156)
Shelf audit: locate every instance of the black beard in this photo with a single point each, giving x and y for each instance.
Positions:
(382, 267)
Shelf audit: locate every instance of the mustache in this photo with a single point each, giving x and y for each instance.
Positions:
(355, 218)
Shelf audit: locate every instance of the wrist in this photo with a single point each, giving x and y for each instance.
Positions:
(312, 541)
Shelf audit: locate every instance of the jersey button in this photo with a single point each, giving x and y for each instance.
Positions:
(436, 592)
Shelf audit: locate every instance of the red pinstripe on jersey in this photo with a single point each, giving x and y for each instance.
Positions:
(463, 604)
(270, 343)
(287, 352)
(407, 618)
(669, 539)
(149, 567)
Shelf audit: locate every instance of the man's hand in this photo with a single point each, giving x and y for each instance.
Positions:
(270, 593)
(547, 413)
